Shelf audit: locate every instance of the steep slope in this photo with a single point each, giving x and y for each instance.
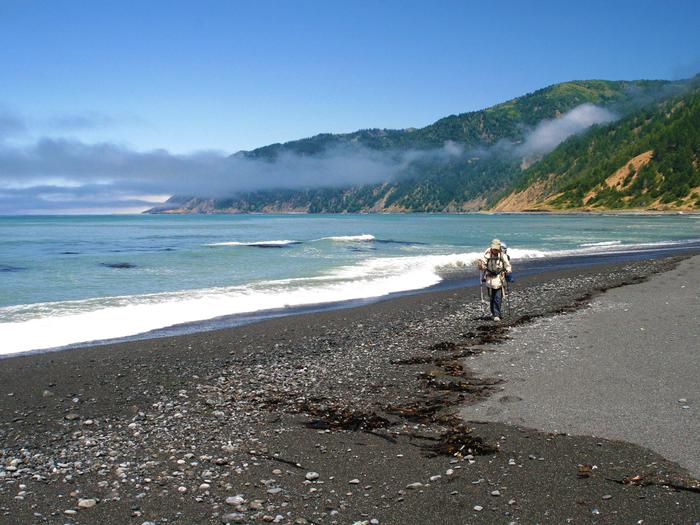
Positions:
(507, 120)
(648, 160)
(469, 181)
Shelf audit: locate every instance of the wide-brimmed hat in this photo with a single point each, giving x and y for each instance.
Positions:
(495, 244)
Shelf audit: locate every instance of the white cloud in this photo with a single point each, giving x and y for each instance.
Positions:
(60, 174)
(548, 134)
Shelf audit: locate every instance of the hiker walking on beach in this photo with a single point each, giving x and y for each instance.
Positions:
(495, 267)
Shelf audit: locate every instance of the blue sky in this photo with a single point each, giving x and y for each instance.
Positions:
(230, 75)
(112, 106)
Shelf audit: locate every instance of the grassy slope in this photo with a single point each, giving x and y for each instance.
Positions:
(462, 184)
(484, 127)
(648, 160)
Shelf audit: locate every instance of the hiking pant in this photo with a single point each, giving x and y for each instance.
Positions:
(496, 295)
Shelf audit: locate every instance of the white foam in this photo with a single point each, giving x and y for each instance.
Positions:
(603, 243)
(518, 253)
(276, 242)
(49, 325)
(350, 238)
(58, 324)
(604, 247)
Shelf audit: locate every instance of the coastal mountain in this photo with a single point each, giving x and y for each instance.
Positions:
(649, 160)
(476, 160)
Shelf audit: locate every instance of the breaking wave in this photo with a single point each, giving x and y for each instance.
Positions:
(56, 324)
(282, 242)
(350, 238)
(603, 243)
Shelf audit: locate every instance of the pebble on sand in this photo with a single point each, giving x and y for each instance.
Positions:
(87, 503)
(235, 500)
(234, 517)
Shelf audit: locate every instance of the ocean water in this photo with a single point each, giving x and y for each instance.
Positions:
(66, 280)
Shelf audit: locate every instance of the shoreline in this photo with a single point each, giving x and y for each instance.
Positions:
(525, 267)
(690, 212)
(634, 211)
(622, 368)
(153, 428)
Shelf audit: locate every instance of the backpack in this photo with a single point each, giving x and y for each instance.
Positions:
(492, 268)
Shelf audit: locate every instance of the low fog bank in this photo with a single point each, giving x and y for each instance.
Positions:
(60, 175)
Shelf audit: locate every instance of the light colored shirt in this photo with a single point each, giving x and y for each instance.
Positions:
(494, 266)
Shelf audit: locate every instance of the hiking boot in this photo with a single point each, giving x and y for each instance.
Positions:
(496, 318)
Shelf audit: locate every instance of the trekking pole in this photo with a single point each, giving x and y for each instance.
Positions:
(510, 313)
(504, 288)
(481, 289)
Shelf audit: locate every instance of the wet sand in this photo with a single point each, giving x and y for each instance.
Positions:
(339, 417)
(625, 367)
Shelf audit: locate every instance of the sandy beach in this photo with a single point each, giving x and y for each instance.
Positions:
(624, 367)
(351, 415)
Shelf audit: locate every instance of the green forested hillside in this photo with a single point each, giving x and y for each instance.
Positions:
(650, 159)
(473, 180)
(447, 186)
(508, 120)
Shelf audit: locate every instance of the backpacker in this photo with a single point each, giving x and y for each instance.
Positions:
(494, 265)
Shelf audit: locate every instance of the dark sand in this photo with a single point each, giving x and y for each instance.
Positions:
(625, 367)
(165, 430)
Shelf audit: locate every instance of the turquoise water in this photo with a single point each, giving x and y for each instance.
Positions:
(69, 279)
